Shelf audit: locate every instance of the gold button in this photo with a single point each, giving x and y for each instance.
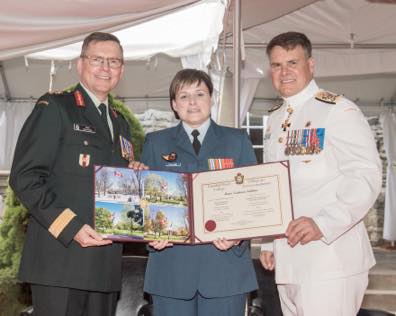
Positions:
(85, 143)
(280, 139)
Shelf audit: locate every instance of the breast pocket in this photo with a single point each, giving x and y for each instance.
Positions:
(308, 166)
(78, 153)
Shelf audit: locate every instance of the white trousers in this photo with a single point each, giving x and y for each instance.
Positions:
(339, 297)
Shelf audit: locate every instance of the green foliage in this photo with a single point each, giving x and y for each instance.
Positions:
(12, 232)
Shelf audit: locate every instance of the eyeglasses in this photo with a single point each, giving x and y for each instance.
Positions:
(98, 61)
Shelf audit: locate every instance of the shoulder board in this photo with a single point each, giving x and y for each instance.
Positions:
(275, 107)
(57, 92)
(43, 100)
(327, 97)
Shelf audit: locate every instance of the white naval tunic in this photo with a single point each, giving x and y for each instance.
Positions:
(335, 187)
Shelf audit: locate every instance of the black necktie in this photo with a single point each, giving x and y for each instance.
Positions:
(103, 116)
(196, 143)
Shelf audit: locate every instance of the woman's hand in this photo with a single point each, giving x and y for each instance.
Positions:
(224, 244)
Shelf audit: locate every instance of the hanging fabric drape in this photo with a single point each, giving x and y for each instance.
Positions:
(388, 121)
(12, 117)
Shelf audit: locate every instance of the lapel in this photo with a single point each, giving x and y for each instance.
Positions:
(114, 120)
(182, 140)
(91, 113)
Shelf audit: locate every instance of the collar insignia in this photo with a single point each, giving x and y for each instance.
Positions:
(170, 157)
(275, 107)
(79, 99)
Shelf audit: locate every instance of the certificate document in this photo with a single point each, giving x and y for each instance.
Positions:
(242, 203)
(238, 203)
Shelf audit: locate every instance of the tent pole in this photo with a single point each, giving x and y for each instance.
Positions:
(328, 45)
(236, 34)
(7, 94)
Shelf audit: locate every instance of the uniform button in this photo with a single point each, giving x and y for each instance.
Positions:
(85, 143)
(280, 139)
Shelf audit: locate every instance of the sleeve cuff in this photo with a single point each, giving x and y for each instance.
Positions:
(68, 232)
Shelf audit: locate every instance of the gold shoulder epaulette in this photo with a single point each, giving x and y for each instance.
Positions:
(275, 107)
(327, 97)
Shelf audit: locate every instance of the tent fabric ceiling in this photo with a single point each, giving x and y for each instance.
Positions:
(351, 38)
(178, 33)
(26, 27)
(325, 22)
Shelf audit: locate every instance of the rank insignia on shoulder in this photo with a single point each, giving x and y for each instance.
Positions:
(42, 102)
(57, 92)
(275, 107)
(327, 97)
(170, 157)
(79, 99)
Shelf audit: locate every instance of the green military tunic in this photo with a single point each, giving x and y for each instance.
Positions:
(52, 175)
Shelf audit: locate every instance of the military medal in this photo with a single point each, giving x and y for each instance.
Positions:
(286, 124)
(220, 163)
(126, 149)
(287, 145)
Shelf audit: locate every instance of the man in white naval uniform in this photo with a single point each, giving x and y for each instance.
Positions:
(322, 264)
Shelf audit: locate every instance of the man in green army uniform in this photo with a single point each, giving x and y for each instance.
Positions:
(72, 270)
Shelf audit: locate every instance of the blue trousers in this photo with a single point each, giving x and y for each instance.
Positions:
(200, 306)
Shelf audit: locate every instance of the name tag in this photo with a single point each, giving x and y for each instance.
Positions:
(84, 128)
(173, 164)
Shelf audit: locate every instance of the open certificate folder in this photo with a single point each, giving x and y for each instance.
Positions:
(190, 208)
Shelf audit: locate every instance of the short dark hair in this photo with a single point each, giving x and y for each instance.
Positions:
(100, 37)
(189, 77)
(291, 40)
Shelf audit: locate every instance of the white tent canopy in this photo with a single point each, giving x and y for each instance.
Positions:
(26, 27)
(179, 33)
(354, 47)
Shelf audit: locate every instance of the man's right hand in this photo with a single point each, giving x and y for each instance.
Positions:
(88, 237)
(267, 260)
(160, 244)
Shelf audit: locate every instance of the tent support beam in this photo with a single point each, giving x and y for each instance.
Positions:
(7, 94)
(328, 46)
(237, 60)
